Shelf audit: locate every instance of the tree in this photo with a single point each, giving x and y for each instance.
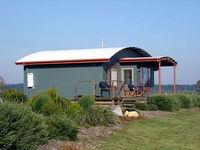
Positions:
(198, 84)
(2, 87)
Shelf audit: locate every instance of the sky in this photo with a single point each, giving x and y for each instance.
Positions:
(161, 27)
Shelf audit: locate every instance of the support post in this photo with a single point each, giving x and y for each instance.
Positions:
(159, 77)
(174, 79)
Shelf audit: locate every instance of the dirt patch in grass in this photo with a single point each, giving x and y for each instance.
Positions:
(191, 109)
(154, 114)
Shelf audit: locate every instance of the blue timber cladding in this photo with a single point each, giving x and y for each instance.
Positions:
(63, 77)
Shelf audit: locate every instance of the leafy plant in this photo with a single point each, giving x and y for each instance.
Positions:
(49, 108)
(73, 110)
(53, 93)
(86, 102)
(141, 105)
(54, 100)
(39, 102)
(14, 96)
(20, 128)
(2, 87)
(63, 102)
(185, 100)
(163, 102)
(97, 116)
(197, 97)
(62, 128)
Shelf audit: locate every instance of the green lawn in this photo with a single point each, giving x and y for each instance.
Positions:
(173, 132)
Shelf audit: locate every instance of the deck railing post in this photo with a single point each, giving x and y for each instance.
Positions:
(159, 77)
(174, 79)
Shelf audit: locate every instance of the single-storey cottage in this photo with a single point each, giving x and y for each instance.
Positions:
(85, 71)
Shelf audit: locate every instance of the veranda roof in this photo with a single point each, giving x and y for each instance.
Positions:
(150, 61)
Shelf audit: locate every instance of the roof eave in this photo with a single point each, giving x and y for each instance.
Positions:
(80, 61)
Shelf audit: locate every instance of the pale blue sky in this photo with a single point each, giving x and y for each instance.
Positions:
(162, 27)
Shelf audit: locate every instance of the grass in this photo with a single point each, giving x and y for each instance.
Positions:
(173, 132)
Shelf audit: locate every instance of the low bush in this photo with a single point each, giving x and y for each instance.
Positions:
(39, 102)
(86, 101)
(14, 96)
(197, 96)
(49, 108)
(62, 128)
(185, 100)
(20, 128)
(195, 100)
(141, 106)
(53, 93)
(73, 110)
(55, 103)
(63, 102)
(163, 102)
(97, 116)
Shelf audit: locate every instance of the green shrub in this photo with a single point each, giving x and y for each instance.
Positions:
(62, 128)
(185, 100)
(86, 102)
(141, 106)
(73, 110)
(14, 96)
(50, 108)
(34, 98)
(39, 102)
(195, 100)
(49, 95)
(153, 107)
(197, 96)
(20, 128)
(63, 102)
(163, 102)
(97, 116)
(53, 93)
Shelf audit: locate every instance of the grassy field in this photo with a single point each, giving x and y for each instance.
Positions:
(173, 132)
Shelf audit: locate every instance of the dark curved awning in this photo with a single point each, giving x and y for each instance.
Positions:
(140, 51)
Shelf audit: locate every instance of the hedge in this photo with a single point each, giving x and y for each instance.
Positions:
(163, 102)
(173, 102)
(14, 96)
(62, 128)
(20, 128)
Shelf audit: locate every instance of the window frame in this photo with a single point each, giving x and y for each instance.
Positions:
(132, 71)
(30, 80)
(110, 76)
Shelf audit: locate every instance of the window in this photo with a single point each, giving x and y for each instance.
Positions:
(114, 77)
(146, 76)
(30, 82)
(127, 75)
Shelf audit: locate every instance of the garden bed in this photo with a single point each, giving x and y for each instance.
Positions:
(88, 138)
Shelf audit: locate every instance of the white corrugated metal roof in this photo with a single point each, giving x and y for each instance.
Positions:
(56, 55)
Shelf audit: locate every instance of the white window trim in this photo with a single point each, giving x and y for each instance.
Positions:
(122, 72)
(30, 80)
(114, 82)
